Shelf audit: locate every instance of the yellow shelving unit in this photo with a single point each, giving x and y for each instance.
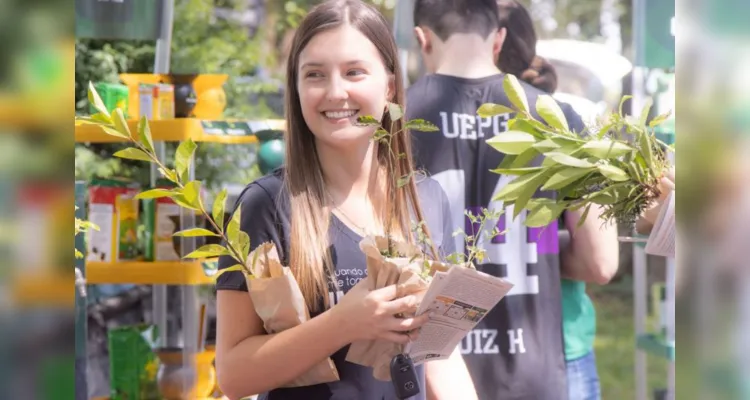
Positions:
(179, 129)
(43, 290)
(148, 273)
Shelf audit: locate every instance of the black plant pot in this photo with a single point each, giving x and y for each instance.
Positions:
(185, 97)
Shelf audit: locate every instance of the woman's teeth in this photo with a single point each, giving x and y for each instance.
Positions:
(339, 114)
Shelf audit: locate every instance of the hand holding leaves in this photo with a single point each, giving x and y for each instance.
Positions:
(618, 167)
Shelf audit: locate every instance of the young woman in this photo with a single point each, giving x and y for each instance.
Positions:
(331, 192)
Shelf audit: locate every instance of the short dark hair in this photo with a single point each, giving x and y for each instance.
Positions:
(446, 17)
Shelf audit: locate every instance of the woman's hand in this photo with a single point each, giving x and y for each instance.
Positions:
(666, 186)
(367, 315)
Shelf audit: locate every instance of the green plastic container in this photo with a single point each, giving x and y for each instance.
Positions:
(132, 364)
(114, 95)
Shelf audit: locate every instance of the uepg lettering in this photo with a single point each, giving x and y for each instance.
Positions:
(471, 126)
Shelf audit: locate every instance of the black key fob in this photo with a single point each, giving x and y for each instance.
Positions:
(404, 377)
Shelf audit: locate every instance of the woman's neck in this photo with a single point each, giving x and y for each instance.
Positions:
(350, 172)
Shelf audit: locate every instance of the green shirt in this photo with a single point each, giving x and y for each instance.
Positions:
(579, 319)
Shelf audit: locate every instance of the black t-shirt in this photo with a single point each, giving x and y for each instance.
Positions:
(265, 217)
(516, 351)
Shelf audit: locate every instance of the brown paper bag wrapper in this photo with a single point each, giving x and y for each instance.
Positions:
(381, 272)
(280, 304)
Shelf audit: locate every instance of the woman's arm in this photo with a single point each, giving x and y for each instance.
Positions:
(248, 361)
(593, 253)
(449, 379)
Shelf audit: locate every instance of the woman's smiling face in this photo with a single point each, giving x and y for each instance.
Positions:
(341, 78)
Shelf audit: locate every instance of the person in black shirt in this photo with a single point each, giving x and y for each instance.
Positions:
(516, 352)
(316, 209)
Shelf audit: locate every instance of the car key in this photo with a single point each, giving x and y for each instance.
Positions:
(404, 376)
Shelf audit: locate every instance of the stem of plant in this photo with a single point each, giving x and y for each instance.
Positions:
(235, 253)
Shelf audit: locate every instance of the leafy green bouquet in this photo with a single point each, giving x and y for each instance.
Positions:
(616, 166)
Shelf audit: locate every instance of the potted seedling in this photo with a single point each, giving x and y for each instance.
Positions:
(617, 166)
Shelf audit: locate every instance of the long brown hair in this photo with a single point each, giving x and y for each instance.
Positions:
(518, 54)
(309, 255)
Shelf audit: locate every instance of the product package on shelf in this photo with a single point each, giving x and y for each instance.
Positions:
(113, 207)
(156, 101)
(114, 95)
(161, 219)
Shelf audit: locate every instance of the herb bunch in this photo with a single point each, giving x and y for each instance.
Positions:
(617, 166)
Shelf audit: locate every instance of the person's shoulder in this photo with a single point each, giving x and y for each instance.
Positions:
(428, 188)
(264, 191)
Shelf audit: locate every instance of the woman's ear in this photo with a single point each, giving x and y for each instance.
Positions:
(390, 91)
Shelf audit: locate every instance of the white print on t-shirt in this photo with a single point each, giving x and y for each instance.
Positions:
(471, 126)
(484, 341)
(516, 253)
(345, 280)
(480, 341)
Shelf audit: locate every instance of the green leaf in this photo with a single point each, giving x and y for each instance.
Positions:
(96, 119)
(508, 160)
(209, 250)
(564, 159)
(96, 101)
(380, 133)
(489, 110)
(512, 142)
(367, 120)
(421, 125)
(646, 150)
(404, 180)
(191, 193)
(515, 93)
(565, 177)
(528, 190)
(513, 189)
(218, 208)
(235, 267)
(622, 103)
(244, 246)
(182, 202)
(546, 145)
(525, 158)
(646, 110)
(183, 157)
(604, 129)
(121, 124)
(613, 173)
(516, 171)
(132, 153)
(194, 232)
(144, 133)
(169, 174)
(395, 111)
(154, 194)
(584, 216)
(111, 131)
(606, 148)
(548, 109)
(543, 213)
(233, 228)
(659, 119)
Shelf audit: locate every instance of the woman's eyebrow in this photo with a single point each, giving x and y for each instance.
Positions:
(316, 64)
